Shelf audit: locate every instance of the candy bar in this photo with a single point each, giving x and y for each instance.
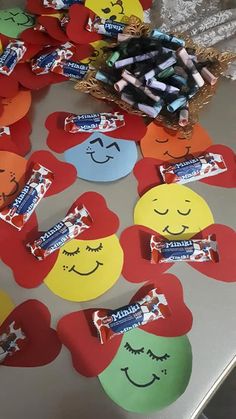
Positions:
(44, 63)
(70, 69)
(103, 122)
(192, 169)
(11, 341)
(18, 212)
(5, 132)
(11, 56)
(110, 323)
(61, 233)
(60, 4)
(202, 250)
(105, 27)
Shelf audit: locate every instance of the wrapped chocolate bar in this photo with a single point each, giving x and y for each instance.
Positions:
(110, 323)
(61, 4)
(192, 169)
(18, 212)
(44, 63)
(196, 250)
(105, 27)
(70, 69)
(11, 341)
(102, 122)
(61, 233)
(11, 56)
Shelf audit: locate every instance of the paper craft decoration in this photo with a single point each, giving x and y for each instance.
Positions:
(14, 170)
(115, 10)
(148, 174)
(75, 29)
(15, 108)
(14, 21)
(36, 7)
(167, 145)
(97, 56)
(41, 345)
(98, 157)
(82, 269)
(145, 369)
(174, 212)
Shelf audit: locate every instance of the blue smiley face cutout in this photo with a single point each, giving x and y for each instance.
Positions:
(102, 158)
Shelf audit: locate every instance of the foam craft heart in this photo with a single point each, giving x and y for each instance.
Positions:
(137, 382)
(135, 241)
(75, 29)
(90, 358)
(9, 86)
(38, 38)
(146, 4)
(15, 108)
(20, 134)
(101, 159)
(6, 305)
(53, 28)
(167, 145)
(31, 81)
(147, 174)
(36, 7)
(225, 269)
(42, 345)
(174, 211)
(59, 140)
(22, 263)
(115, 10)
(13, 21)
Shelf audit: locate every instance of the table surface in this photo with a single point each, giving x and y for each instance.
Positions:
(57, 391)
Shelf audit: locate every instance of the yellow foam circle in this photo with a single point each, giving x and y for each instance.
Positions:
(6, 306)
(117, 9)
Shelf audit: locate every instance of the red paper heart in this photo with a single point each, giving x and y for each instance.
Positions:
(38, 38)
(147, 174)
(53, 28)
(146, 4)
(135, 241)
(32, 81)
(9, 86)
(59, 140)
(65, 174)
(36, 7)
(20, 134)
(75, 29)
(225, 269)
(42, 345)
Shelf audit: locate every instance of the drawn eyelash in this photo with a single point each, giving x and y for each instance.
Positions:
(161, 142)
(157, 358)
(71, 253)
(184, 213)
(96, 249)
(133, 351)
(161, 213)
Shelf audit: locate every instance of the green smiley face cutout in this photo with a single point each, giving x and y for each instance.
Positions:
(14, 21)
(148, 372)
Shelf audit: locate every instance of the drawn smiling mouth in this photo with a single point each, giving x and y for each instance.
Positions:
(99, 161)
(28, 22)
(155, 377)
(178, 157)
(166, 229)
(86, 273)
(15, 190)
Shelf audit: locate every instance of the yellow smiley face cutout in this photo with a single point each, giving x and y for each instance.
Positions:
(6, 306)
(115, 10)
(84, 270)
(97, 57)
(174, 211)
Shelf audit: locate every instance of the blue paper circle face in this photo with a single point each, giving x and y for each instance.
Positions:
(102, 158)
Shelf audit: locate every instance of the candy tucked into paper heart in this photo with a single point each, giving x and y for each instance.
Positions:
(75, 29)
(41, 344)
(36, 7)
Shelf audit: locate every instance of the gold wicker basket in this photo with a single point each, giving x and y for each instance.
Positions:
(220, 63)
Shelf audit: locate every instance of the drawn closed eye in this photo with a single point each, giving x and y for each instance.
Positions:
(94, 249)
(164, 141)
(106, 11)
(97, 140)
(184, 213)
(114, 145)
(161, 213)
(156, 357)
(71, 253)
(95, 53)
(132, 350)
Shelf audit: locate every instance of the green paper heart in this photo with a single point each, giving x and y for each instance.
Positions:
(14, 21)
(148, 372)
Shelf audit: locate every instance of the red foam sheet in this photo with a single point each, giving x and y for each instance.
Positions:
(65, 174)
(135, 241)
(36, 7)
(42, 345)
(38, 38)
(180, 321)
(89, 357)
(9, 86)
(225, 269)
(59, 140)
(75, 29)
(147, 174)
(53, 28)
(20, 134)
(32, 81)
(146, 4)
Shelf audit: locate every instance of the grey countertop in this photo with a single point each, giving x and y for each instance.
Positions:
(57, 391)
